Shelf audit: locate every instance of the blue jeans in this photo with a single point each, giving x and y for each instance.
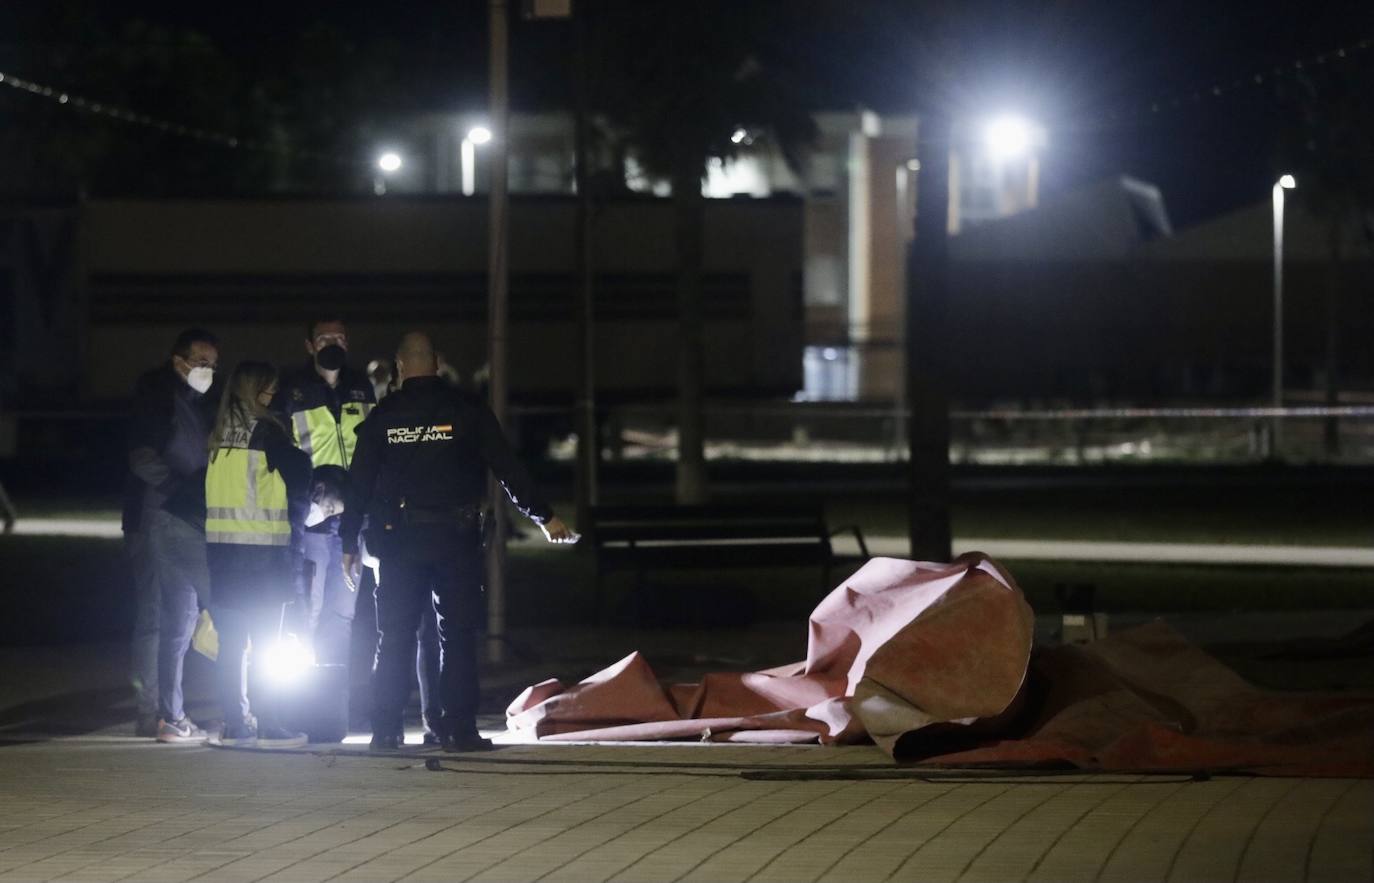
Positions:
(331, 604)
(147, 601)
(177, 555)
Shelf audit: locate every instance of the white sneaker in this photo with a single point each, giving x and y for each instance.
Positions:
(176, 732)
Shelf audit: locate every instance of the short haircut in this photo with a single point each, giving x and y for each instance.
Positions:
(316, 323)
(182, 345)
(329, 481)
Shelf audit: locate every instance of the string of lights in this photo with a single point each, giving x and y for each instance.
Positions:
(165, 126)
(1153, 108)
(1199, 94)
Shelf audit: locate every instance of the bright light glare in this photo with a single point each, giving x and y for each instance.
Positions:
(1287, 182)
(389, 161)
(479, 134)
(738, 136)
(1008, 137)
(286, 661)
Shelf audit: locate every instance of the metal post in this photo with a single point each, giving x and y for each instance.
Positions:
(588, 442)
(927, 394)
(1275, 422)
(497, 282)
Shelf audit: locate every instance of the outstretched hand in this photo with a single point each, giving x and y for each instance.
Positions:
(555, 531)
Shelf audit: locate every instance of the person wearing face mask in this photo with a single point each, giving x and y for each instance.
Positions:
(257, 494)
(323, 404)
(164, 526)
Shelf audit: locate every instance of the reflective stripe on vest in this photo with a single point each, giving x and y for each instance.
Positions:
(245, 502)
(327, 441)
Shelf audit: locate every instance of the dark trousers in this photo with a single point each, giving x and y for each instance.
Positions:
(434, 565)
(237, 680)
(427, 669)
(249, 585)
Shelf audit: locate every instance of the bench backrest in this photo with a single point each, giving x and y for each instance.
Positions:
(618, 524)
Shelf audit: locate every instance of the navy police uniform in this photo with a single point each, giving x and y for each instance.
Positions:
(419, 474)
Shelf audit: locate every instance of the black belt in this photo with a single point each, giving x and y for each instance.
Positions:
(456, 516)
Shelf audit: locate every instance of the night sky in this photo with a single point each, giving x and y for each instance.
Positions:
(1088, 70)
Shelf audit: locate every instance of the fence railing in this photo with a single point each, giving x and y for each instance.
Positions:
(807, 432)
(1007, 435)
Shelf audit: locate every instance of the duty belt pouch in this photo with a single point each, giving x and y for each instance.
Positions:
(381, 538)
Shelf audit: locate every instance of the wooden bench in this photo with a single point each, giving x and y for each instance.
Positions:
(641, 538)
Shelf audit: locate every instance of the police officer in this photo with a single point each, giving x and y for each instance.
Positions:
(419, 475)
(324, 403)
(257, 495)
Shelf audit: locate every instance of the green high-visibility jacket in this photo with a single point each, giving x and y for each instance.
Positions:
(245, 502)
(325, 421)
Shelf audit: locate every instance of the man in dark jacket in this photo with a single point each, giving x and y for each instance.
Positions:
(419, 475)
(164, 522)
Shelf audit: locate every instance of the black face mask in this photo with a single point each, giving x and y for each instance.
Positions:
(332, 357)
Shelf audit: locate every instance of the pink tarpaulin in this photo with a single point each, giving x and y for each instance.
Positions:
(934, 662)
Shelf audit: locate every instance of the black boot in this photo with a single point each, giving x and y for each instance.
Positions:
(431, 738)
(464, 741)
(386, 742)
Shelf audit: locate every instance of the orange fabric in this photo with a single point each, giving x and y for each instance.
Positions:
(934, 664)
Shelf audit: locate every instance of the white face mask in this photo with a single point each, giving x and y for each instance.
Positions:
(200, 379)
(317, 515)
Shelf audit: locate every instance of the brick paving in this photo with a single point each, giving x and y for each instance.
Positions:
(104, 807)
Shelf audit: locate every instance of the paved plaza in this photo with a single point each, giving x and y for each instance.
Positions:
(115, 808)
(82, 799)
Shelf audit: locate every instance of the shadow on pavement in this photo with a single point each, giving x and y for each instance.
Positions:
(67, 714)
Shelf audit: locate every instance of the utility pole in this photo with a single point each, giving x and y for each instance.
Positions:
(926, 373)
(588, 440)
(497, 315)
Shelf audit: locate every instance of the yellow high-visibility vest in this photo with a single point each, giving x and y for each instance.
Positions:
(327, 441)
(245, 502)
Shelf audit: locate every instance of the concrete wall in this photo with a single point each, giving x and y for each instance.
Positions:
(256, 271)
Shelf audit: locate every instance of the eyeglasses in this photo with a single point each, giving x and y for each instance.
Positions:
(200, 363)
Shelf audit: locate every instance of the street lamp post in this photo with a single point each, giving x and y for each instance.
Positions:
(497, 312)
(476, 136)
(1286, 182)
(388, 164)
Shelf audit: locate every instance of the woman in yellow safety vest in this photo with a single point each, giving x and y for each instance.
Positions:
(257, 495)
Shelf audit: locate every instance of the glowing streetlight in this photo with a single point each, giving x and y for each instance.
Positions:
(388, 163)
(1285, 182)
(1009, 137)
(477, 135)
